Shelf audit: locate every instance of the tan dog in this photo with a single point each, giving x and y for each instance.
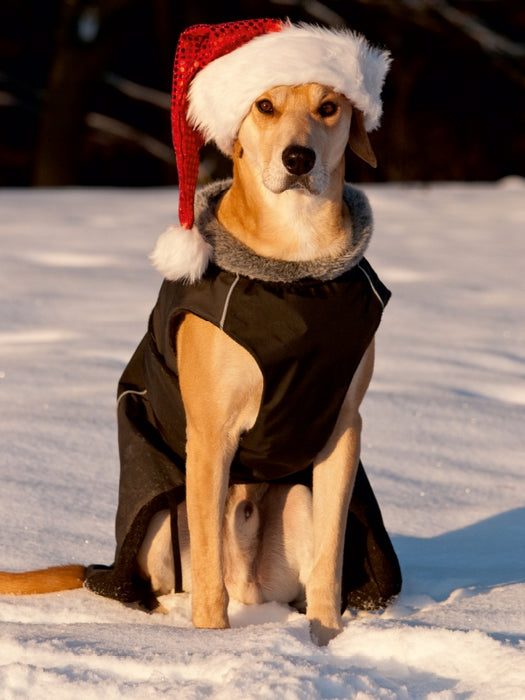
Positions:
(259, 349)
(286, 203)
(278, 542)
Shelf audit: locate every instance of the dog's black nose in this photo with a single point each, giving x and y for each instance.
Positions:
(298, 160)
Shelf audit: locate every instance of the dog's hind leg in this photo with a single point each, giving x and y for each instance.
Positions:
(242, 533)
(155, 556)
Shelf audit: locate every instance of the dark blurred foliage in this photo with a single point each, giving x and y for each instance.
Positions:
(84, 86)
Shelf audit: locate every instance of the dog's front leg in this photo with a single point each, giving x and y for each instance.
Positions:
(333, 480)
(207, 470)
(221, 387)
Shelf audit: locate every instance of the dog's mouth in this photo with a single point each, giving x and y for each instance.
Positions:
(286, 182)
(300, 182)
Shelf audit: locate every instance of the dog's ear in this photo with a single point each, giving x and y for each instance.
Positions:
(358, 139)
(238, 150)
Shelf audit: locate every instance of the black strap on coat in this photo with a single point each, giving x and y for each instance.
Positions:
(177, 564)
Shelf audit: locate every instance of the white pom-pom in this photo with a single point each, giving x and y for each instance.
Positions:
(181, 254)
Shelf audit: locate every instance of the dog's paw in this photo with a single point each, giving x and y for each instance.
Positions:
(209, 613)
(211, 622)
(321, 634)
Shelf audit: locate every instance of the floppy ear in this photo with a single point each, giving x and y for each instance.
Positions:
(358, 139)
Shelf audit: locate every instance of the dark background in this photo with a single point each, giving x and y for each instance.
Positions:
(84, 86)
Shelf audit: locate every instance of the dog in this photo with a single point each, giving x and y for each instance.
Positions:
(284, 203)
(269, 537)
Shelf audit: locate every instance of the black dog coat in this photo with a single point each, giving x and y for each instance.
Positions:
(308, 337)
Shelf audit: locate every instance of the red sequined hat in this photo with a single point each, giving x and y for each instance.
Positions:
(198, 46)
(220, 70)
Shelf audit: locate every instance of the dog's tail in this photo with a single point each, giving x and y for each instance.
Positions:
(56, 578)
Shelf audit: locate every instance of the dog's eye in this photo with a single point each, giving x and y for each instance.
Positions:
(265, 106)
(328, 109)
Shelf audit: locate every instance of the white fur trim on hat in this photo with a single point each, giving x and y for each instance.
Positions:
(181, 254)
(221, 94)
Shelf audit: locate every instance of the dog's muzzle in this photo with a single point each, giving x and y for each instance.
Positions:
(298, 160)
(295, 170)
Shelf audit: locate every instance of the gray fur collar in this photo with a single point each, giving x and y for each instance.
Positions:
(233, 256)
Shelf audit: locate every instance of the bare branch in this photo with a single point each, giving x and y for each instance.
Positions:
(159, 150)
(157, 98)
(489, 40)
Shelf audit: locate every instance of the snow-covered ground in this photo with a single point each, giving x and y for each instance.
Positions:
(443, 445)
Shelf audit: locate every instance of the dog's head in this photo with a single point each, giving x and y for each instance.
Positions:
(295, 137)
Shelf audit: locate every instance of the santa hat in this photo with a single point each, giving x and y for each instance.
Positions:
(219, 72)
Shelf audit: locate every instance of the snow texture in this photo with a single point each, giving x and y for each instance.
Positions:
(443, 445)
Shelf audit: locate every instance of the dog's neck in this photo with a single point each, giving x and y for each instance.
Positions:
(233, 255)
(294, 225)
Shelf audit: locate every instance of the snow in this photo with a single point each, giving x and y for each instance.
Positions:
(443, 446)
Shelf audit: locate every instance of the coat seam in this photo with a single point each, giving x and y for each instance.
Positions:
(131, 391)
(378, 295)
(227, 302)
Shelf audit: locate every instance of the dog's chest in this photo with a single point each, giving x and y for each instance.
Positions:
(307, 338)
